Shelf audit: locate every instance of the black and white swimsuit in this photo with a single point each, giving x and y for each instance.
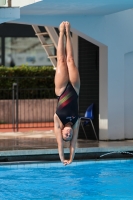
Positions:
(67, 107)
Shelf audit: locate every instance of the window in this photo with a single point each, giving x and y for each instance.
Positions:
(25, 50)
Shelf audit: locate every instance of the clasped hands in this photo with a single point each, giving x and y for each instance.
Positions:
(67, 162)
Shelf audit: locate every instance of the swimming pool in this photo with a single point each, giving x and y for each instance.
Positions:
(94, 180)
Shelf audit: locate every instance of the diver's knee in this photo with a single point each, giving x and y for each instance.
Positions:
(70, 59)
(61, 59)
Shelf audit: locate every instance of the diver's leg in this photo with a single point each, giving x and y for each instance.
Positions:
(72, 69)
(61, 76)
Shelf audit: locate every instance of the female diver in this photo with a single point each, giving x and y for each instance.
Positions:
(67, 86)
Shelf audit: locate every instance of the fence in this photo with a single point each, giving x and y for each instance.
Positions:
(21, 107)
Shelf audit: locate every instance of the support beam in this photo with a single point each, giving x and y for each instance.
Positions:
(9, 3)
(53, 35)
(103, 93)
(44, 33)
(45, 45)
(48, 45)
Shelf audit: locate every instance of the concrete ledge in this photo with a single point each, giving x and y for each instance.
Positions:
(66, 150)
(9, 14)
(48, 151)
(52, 154)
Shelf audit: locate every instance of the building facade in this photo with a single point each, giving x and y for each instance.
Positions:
(108, 25)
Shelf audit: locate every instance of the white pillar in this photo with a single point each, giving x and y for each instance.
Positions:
(128, 95)
(115, 93)
(103, 93)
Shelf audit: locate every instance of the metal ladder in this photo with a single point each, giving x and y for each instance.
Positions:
(50, 31)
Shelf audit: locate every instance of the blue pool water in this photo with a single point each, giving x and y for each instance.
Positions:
(99, 180)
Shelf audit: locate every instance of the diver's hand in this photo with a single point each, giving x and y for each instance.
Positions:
(67, 162)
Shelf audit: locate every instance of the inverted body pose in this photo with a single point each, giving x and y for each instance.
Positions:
(67, 86)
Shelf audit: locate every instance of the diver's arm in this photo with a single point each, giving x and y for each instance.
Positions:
(57, 131)
(73, 142)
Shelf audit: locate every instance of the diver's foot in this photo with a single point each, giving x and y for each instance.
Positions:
(62, 28)
(67, 26)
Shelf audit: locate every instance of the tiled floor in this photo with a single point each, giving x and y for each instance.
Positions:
(45, 141)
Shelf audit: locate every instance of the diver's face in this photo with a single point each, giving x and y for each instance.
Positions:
(67, 133)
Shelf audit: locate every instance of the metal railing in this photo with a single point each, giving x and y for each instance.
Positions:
(26, 107)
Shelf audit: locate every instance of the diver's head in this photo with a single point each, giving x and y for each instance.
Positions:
(67, 133)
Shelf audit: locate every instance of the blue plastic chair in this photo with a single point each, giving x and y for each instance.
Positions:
(87, 119)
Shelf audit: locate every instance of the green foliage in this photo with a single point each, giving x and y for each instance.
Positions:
(27, 78)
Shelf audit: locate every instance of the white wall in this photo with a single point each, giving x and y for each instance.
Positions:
(114, 35)
(120, 33)
(115, 31)
(128, 95)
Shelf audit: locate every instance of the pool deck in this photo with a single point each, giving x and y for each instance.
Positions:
(43, 144)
